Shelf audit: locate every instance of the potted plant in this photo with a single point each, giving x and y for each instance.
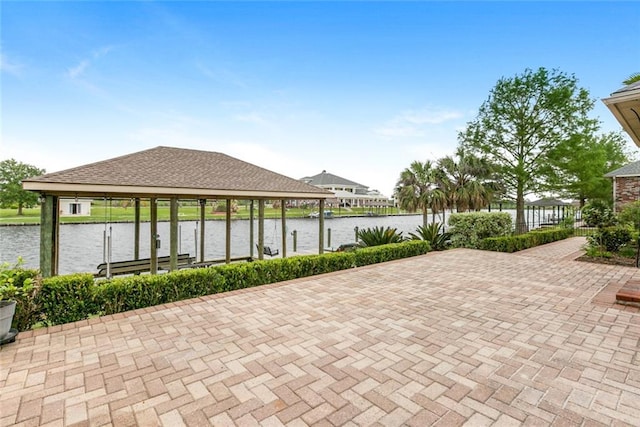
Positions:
(16, 285)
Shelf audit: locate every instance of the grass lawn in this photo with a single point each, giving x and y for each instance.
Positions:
(186, 212)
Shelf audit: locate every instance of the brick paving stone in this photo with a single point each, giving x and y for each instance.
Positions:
(450, 338)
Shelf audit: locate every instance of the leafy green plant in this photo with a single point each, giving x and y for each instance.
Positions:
(627, 252)
(567, 222)
(434, 234)
(630, 214)
(22, 286)
(610, 238)
(598, 213)
(468, 229)
(377, 236)
(597, 252)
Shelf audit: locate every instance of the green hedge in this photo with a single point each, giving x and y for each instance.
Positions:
(524, 241)
(69, 298)
(468, 229)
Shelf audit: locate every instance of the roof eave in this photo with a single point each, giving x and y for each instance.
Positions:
(613, 103)
(93, 190)
(626, 175)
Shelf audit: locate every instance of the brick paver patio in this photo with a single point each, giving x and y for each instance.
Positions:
(449, 338)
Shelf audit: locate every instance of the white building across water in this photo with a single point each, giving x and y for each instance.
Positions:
(349, 194)
(75, 207)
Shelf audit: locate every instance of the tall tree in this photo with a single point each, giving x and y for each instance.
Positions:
(415, 186)
(522, 120)
(12, 173)
(577, 166)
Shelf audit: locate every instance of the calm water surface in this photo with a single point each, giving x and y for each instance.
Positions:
(81, 245)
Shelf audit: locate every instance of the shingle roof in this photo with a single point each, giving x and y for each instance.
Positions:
(177, 168)
(325, 178)
(632, 169)
(547, 202)
(627, 88)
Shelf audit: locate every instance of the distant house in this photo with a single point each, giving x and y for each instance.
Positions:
(348, 193)
(75, 207)
(626, 185)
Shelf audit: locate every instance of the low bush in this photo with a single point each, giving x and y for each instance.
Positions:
(22, 286)
(377, 236)
(132, 292)
(67, 298)
(630, 215)
(611, 238)
(468, 229)
(434, 234)
(520, 242)
(75, 297)
(598, 213)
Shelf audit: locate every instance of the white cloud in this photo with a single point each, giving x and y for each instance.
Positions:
(414, 123)
(43, 156)
(78, 71)
(254, 118)
(9, 66)
(261, 155)
(222, 75)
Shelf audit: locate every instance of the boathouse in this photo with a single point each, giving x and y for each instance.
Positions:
(168, 174)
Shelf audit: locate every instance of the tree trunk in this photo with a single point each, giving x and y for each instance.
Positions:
(19, 209)
(521, 224)
(425, 217)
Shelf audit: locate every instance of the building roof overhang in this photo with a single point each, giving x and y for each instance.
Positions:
(116, 191)
(625, 106)
(165, 172)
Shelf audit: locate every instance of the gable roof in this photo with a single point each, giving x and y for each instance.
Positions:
(325, 178)
(632, 169)
(625, 106)
(174, 171)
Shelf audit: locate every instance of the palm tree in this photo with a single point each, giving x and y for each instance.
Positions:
(414, 188)
(466, 181)
(438, 201)
(635, 77)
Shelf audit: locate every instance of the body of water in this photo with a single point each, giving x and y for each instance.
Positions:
(82, 245)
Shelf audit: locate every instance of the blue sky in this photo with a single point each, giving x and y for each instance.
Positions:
(360, 89)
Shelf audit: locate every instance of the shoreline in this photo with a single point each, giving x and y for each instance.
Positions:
(13, 224)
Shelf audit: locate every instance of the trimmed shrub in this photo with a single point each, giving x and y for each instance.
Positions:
(132, 292)
(69, 298)
(468, 229)
(528, 240)
(610, 238)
